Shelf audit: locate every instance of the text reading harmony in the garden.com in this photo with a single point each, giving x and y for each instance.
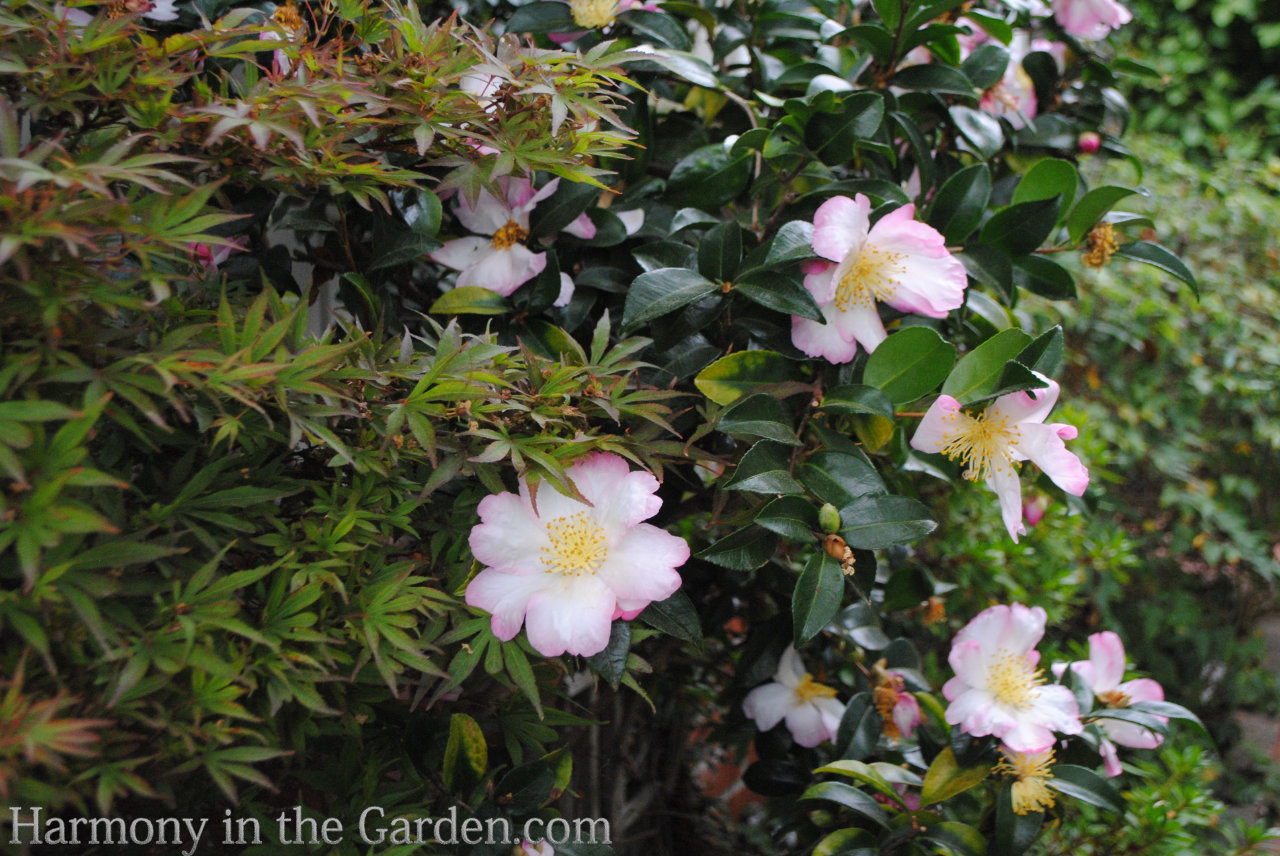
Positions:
(34, 825)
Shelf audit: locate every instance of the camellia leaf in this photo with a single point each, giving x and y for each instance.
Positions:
(779, 291)
(853, 398)
(720, 250)
(961, 201)
(859, 728)
(1050, 177)
(792, 517)
(1158, 256)
(1044, 276)
(743, 550)
(946, 778)
(851, 798)
(1022, 228)
(1045, 354)
(708, 177)
(909, 364)
(1015, 833)
(469, 300)
(1092, 207)
(1084, 784)
(872, 522)
(818, 593)
(611, 663)
(979, 371)
(662, 291)
(840, 478)
(743, 372)
(541, 16)
(759, 415)
(675, 616)
(765, 468)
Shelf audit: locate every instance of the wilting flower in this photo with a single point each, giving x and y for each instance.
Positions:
(992, 443)
(500, 262)
(155, 10)
(898, 261)
(1031, 772)
(1033, 509)
(1090, 19)
(1102, 673)
(998, 690)
(899, 709)
(810, 709)
(566, 569)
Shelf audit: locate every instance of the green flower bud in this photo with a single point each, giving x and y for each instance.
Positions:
(829, 518)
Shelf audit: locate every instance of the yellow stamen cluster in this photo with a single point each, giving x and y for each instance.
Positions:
(983, 443)
(120, 8)
(1013, 680)
(1114, 698)
(885, 694)
(935, 611)
(873, 274)
(288, 17)
(808, 689)
(1102, 244)
(593, 14)
(510, 234)
(1031, 791)
(576, 545)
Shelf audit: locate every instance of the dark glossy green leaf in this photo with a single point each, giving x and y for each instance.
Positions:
(665, 254)
(909, 586)
(1173, 711)
(990, 266)
(851, 798)
(840, 478)
(931, 77)
(834, 136)
(1158, 256)
(980, 129)
(1084, 784)
(719, 251)
(859, 729)
(708, 177)
(818, 593)
(792, 517)
(782, 292)
(759, 415)
(743, 550)
(1022, 228)
(542, 16)
(986, 65)
(793, 241)
(765, 468)
(1043, 276)
(909, 364)
(561, 208)
(659, 26)
(961, 201)
(397, 248)
(1049, 177)
(663, 291)
(676, 616)
(538, 294)
(742, 373)
(890, 12)
(1092, 207)
(611, 663)
(1015, 833)
(978, 372)
(777, 777)
(872, 522)
(850, 398)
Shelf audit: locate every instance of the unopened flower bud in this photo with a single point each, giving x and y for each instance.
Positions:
(1088, 143)
(829, 518)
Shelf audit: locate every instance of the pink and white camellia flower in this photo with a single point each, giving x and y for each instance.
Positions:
(1103, 673)
(1090, 19)
(992, 443)
(501, 262)
(810, 709)
(530, 848)
(565, 569)
(898, 261)
(998, 690)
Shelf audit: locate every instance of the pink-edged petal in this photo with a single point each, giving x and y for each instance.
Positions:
(768, 704)
(162, 10)
(508, 535)
(1014, 628)
(582, 227)
(566, 290)
(461, 254)
(571, 616)
(506, 597)
(1106, 655)
(486, 216)
(861, 322)
(840, 226)
(1130, 734)
(1142, 689)
(642, 566)
(621, 496)
(977, 714)
(1043, 446)
(504, 270)
(1055, 707)
(930, 287)
(822, 340)
(1031, 405)
(1003, 479)
(938, 425)
(819, 280)
(627, 610)
(1087, 673)
(1110, 758)
(807, 726)
(1028, 737)
(906, 714)
(970, 659)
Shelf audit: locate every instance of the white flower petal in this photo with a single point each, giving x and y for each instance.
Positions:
(573, 616)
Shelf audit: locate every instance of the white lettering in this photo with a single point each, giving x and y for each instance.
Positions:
(452, 819)
(135, 837)
(470, 825)
(196, 834)
(494, 838)
(111, 833)
(551, 835)
(591, 822)
(364, 835)
(34, 823)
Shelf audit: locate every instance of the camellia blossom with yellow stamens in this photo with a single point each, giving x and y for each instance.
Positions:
(991, 444)
(501, 262)
(898, 261)
(565, 569)
(809, 708)
(1103, 674)
(998, 689)
(1031, 772)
